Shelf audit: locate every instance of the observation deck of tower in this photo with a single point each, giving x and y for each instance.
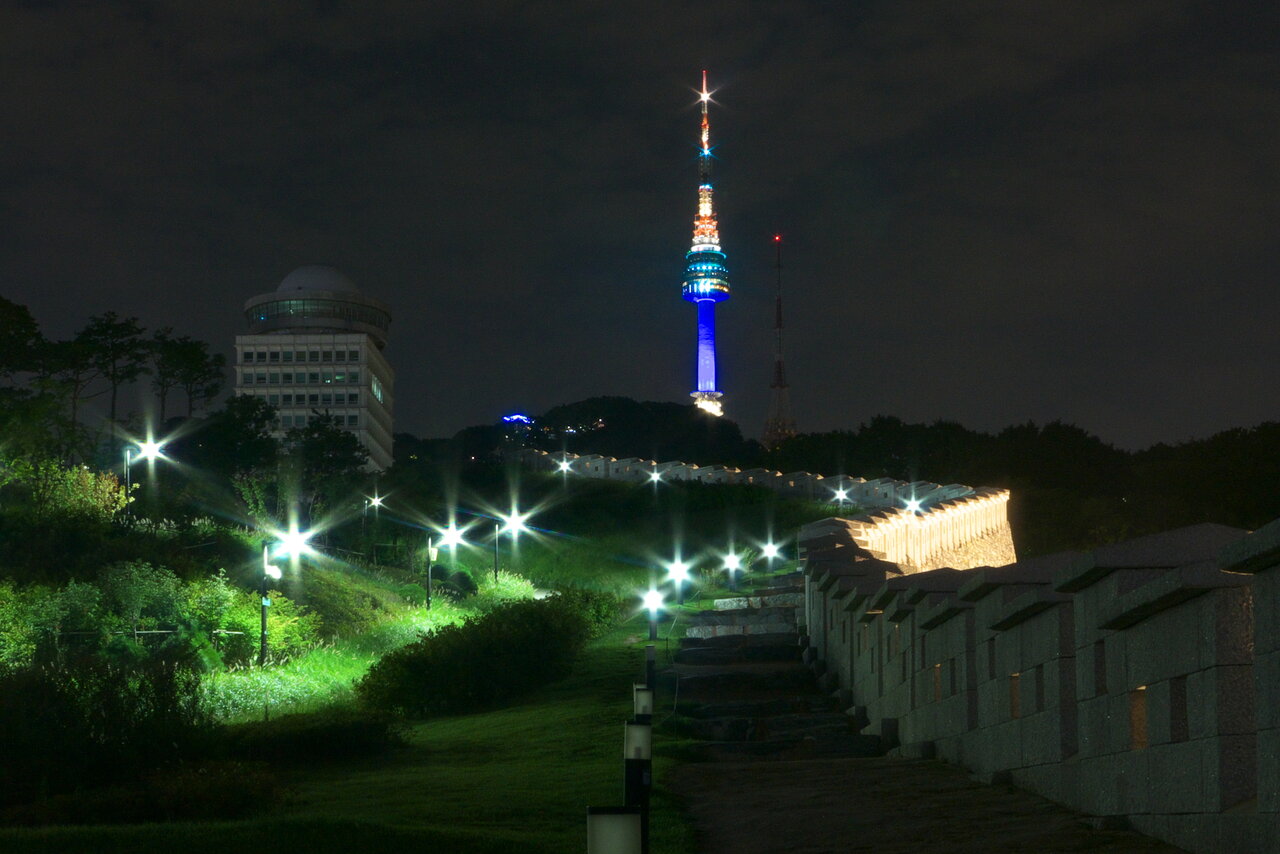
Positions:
(706, 278)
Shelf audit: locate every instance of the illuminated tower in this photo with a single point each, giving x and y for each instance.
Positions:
(706, 279)
(779, 425)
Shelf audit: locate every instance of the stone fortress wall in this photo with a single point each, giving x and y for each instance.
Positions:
(1138, 682)
(915, 525)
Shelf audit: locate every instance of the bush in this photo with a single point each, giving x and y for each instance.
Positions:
(327, 735)
(515, 648)
(68, 724)
(600, 609)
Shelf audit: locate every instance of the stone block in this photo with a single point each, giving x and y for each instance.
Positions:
(1177, 779)
(1269, 772)
(1266, 680)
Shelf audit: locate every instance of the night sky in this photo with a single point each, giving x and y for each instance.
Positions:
(992, 211)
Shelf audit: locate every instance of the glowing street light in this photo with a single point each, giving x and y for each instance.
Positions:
(513, 523)
(565, 465)
(913, 505)
(770, 551)
(293, 543)
(653, 602)
(678, 574)
(842, 495)
(451, 537)
(150, 450)
(732, 563)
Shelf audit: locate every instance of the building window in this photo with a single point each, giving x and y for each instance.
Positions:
(315, 378)
(327, 377)
(288, 379)
(273, 399)
(339, 377)
(328, 356)
(286, 399)
(299, 356)
(261, 378)
(353, 398)
(286, 421)
(300, 378)
(339, 355)
(353, 420)
(353, 355)
(288, 355)
(376, 387)
(315, 355)
(273, 356)
(248, 377)
(299, 421)
(353, 377)
(274, 379)
(326, 400)
(313, 399)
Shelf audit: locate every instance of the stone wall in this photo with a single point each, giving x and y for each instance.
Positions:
(1139, 681)
(915, 525)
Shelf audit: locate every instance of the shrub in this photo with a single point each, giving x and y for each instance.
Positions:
(67, 724)
(600, 609)
(291, 627)
(487, 661)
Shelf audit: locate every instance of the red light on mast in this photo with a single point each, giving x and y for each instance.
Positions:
(777, 238)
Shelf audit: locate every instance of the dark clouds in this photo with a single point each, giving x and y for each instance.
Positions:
(993, 211)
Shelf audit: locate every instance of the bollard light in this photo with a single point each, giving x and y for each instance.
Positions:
(642, 701)
(614, 830)
(637, 741)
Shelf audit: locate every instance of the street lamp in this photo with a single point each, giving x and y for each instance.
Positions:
(150, 450)
(269, 571)
(653, 601)
(512, 523)
(732, 563)
(678, 574)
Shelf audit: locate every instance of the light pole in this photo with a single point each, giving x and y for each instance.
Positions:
(652, 604)
(269, 571)
(678, 574)
(149, 450)
(732, 563)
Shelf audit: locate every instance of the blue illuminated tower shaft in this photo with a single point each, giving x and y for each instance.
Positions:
(707, 346)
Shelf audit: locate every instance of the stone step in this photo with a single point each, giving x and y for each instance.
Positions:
(795, 726)
(813, 747)
(722, 655)
(745, 681)
(773, 706)
(731, 630)
(740, 640)
(760, 602)
(743, 616)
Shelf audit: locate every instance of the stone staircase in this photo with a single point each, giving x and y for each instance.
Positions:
(742, 687)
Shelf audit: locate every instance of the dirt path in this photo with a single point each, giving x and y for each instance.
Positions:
(886, 806)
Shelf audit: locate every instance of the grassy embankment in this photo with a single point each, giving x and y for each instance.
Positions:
(512, 779)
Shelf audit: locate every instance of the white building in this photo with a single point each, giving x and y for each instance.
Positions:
(315, 348)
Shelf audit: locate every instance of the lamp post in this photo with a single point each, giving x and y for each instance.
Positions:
(149, 450)
(269, 571)
(732, 563)
(652, 604)
(615, 830)
(637, 752)
(678, 573)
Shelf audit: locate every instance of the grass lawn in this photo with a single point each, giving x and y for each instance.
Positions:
(515, 779)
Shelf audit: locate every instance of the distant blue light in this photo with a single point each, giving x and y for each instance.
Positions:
(517, 417)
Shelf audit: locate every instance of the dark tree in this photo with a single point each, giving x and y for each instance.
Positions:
(20, 339)
(200, 374)
(324, 465)
(118, 351)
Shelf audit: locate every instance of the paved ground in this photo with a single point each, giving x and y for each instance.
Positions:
(886, 806)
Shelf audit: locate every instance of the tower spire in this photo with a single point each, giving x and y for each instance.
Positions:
(779, 424)
(706, 278)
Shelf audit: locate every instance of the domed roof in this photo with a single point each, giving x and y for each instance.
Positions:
(316, 277)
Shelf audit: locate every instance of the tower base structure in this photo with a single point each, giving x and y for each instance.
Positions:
(708, 401)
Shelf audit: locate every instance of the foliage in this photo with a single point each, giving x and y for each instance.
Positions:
(74, 492)
(323, 465)
(600, 609)
(137, 589)
(81, 721)
(490, 660)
